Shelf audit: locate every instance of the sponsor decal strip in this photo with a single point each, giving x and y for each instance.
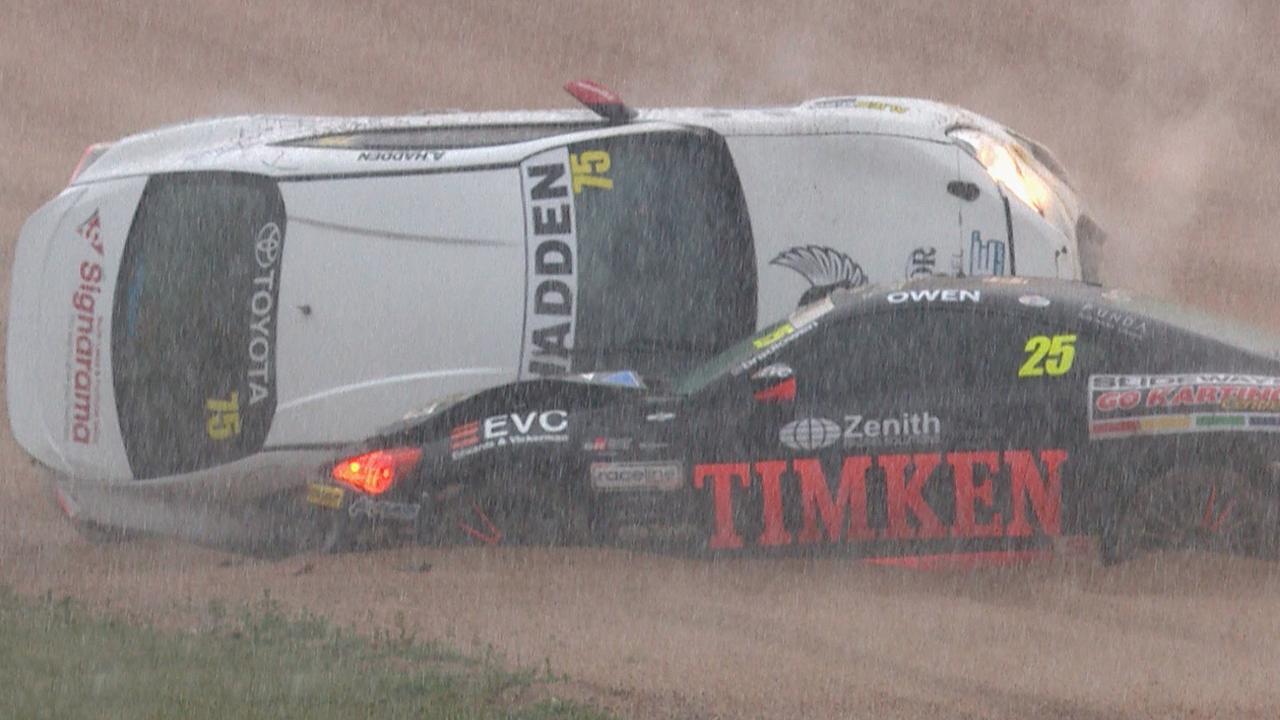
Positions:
(1126, 405)
(266, 252)
(1200, 422)
(1011, 493)
(815, 433)
(84, 366)
(546, 426)
(610, 477)
(934, 295)
(551, 244)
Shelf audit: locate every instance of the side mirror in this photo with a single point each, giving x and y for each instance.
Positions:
(774, 384)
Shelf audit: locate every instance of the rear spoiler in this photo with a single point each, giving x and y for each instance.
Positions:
(601, 101)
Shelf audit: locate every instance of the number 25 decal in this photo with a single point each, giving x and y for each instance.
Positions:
(1048, 355)
(225, 418)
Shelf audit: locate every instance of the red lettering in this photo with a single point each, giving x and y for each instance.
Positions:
(815, 496)
(1123, 399)
(967, 493)
(904, 495)
(1184, 396)
(1108, 400)
(1157, 396)
(722, 475)
(1206, 395)
(1044, 492)
(770, 473)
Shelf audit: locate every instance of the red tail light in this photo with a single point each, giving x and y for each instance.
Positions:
(91, 154)
(375, 472)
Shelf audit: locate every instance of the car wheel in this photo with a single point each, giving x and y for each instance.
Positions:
(536, 509)
(296, 526)
(1196, 508)
(326, 533)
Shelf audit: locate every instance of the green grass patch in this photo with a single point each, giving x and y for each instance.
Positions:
(58, 660)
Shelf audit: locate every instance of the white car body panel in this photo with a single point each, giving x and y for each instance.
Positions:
(409, 275)
(380, 254)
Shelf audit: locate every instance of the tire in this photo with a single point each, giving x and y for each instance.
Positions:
(298, 527)
(326, 533)
(1195, 507)
(534, 509)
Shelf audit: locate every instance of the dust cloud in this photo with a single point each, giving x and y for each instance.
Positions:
(1167, 116)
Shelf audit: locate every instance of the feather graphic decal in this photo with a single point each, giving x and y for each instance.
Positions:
(825, 268)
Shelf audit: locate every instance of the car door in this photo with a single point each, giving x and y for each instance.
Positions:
(881, 401)
(924, 428)
(836, 429)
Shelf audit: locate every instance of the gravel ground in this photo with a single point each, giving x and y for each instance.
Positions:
(1168, 115)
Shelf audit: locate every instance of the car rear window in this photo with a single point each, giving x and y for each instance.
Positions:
(193, 322)
(668, 266)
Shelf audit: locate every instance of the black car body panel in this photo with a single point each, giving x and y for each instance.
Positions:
(936, 417)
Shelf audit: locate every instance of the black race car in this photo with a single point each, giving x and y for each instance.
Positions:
(950, 417)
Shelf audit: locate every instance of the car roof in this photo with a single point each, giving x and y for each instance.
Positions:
(257, 143)
(1000, 290)
(1055, 299)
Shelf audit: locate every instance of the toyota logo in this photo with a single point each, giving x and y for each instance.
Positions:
(267, 247)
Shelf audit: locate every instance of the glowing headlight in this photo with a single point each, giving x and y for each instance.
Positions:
(1007, 165)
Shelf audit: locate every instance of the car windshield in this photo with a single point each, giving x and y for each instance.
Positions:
(193, 322)
(752, 350)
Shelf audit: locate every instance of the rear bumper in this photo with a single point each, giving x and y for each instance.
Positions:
(27, 370)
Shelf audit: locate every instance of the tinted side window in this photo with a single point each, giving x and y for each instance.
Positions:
(440, 137)
(667, 262)
(883, 353)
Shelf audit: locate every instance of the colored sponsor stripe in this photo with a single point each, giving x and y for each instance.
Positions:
(1114, 427)
(1165, 424)
(1215, 421)
(1200, 422)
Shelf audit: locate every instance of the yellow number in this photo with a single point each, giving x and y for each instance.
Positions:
(225, 420)
(588, 170)
(1048, 356)
(1061, 354)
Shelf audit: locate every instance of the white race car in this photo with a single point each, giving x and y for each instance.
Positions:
(208, 308)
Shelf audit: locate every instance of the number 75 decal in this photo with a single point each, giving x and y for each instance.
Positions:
(1048, 355)
(224, 420)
